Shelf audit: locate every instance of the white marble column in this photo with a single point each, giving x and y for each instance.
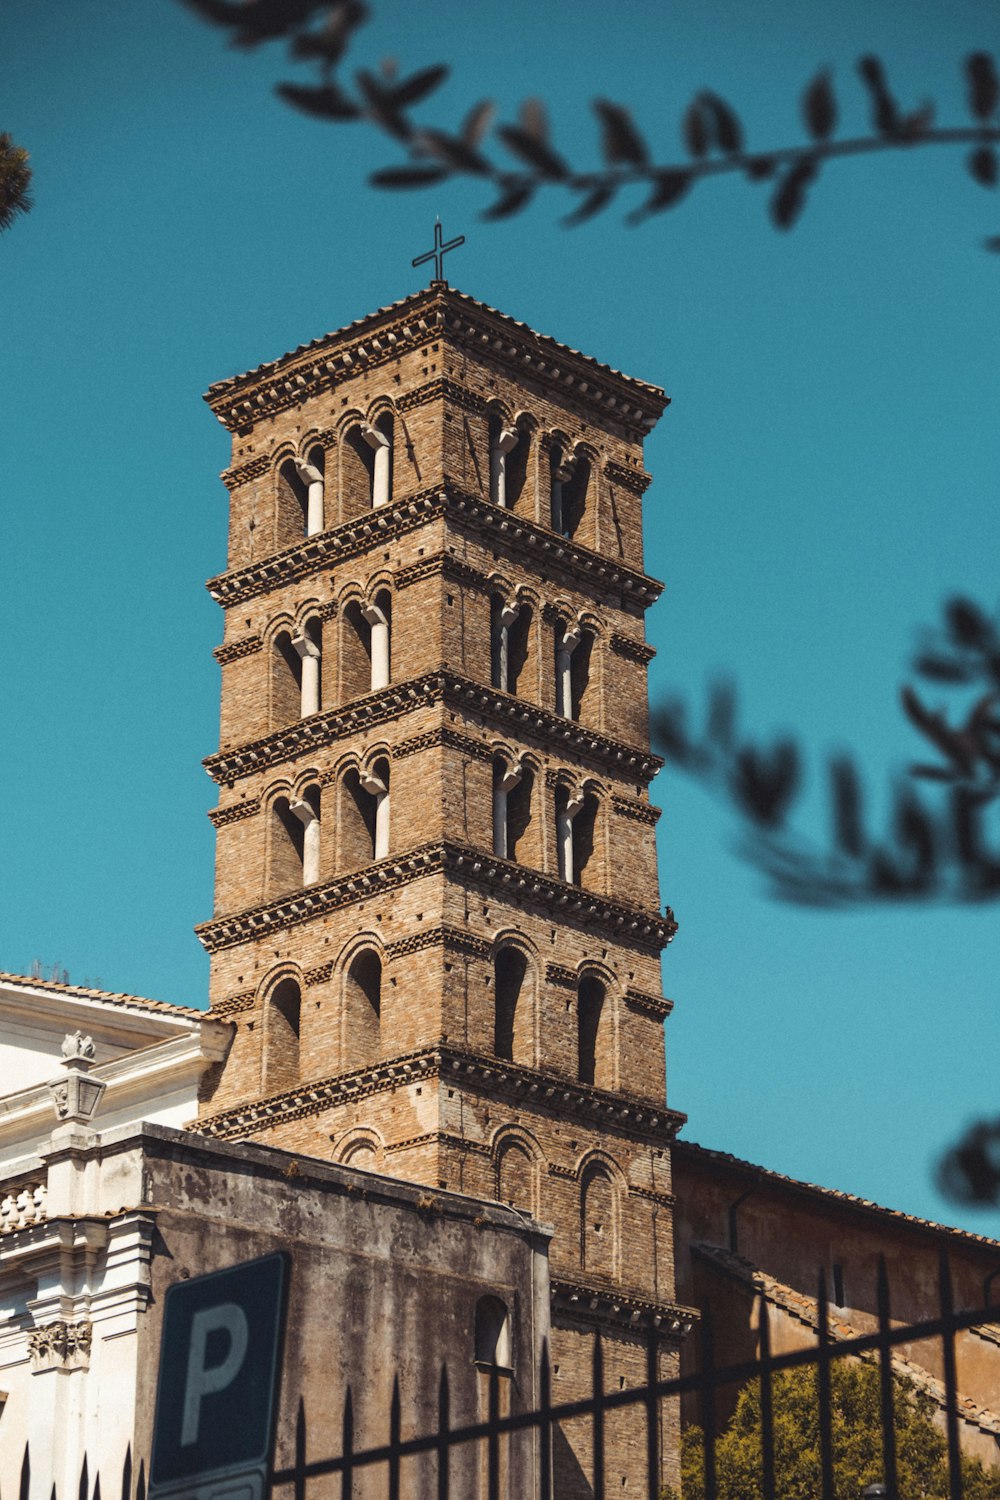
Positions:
(504, 782)
(309, 818)
(379, 442)
(313, 480)
(504, 442)
(379, 623)
(565, 647)
(378, 789)
(564, 835)
(309, 655)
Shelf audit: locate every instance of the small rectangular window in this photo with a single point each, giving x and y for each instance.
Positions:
(838, 1284)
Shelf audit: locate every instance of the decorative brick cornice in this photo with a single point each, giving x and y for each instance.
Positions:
(532, 1087)
(640, 812)
(556, 1169)
(442, 735)
(221, 817)
(452, 568)
(597, 574)
(636, 480)
(455, 939)
(632, 650)
(233, 1004)
(559, 974)
(508, 715)
(441, 389)
(438, 313)
(634, 925)
(650, 1005)
(663, 1200)
(328, 609)
(242, 473)
(630, 1312)
(247, 645)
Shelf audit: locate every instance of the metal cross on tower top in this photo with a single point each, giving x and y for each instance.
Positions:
(439, 252)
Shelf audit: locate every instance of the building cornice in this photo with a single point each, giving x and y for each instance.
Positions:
(534, 1086)
(506, 714)
(326, 549)
(409, 325)
(603, 1306)
(622, 921)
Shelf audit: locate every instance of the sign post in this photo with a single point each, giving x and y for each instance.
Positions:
(220, 1371)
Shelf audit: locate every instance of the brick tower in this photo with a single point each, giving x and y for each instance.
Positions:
(437, 922)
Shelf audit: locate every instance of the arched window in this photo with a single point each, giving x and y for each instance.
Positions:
(292, 505)
(598, 1222)
(491, 1340)
(506, 778)
(286, 681)
(305, 810)
(512, 1007)
(357, 469)
(516, 1177)
(366, 647)
(516, 471)
(561, 467)
(568, 806)
(510, 643)
(364, 815)
(568, 635)
(581, 688)
(378, 436)
(586, 866)
(307, 644)
(593, 1052)
(575, 496)
(311, 470)
(284, 865)
(281, 1037)
(363, 1010)
(503, 440)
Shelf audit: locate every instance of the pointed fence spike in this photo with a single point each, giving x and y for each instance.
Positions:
(707, 1362)
(444, 1426)
(766, 1404)
(652, 1417)
(394, 1440)
(889, 1478)
(127, 1474)
(545, 1424)
(84, 1481)
(25, 1474)
(97, 1486)
(823, 1389)
(300, 1450)
(140, 1485)
(598, 1437)
(347, 1448)
(946, 1300)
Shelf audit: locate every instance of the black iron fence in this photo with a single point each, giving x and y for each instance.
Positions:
(430, 1466)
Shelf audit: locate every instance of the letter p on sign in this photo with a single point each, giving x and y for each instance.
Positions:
(220, 1362)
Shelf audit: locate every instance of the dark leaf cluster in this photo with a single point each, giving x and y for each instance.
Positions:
(713, 137)
(935, 845)
(15, 181)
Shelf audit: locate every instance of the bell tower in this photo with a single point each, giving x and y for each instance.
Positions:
(437, 922)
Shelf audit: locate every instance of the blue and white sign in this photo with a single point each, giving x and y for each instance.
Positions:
(220, 1370)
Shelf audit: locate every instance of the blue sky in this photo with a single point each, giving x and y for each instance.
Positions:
(826, 473)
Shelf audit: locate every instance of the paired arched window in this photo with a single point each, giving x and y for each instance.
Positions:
(593, 1020)
(294, 855)
(510, 643)
(491, 1337)
(576, 829)
(574, 649)
(366, 646)
(510, 447)
(512, 789)
(295, 674)
(364, 820)
(281, 1037)
(362, 1043)
(301, 485)
(561, 466)
(512, 1019)
(366, 466)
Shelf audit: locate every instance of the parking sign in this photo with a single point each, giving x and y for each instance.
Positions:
(220, 1369)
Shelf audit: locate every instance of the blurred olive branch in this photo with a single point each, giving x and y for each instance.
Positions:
(712, 133)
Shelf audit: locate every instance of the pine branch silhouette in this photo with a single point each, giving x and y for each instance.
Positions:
(15, 181)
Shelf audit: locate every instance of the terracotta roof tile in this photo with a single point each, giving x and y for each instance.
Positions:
(84, 992)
